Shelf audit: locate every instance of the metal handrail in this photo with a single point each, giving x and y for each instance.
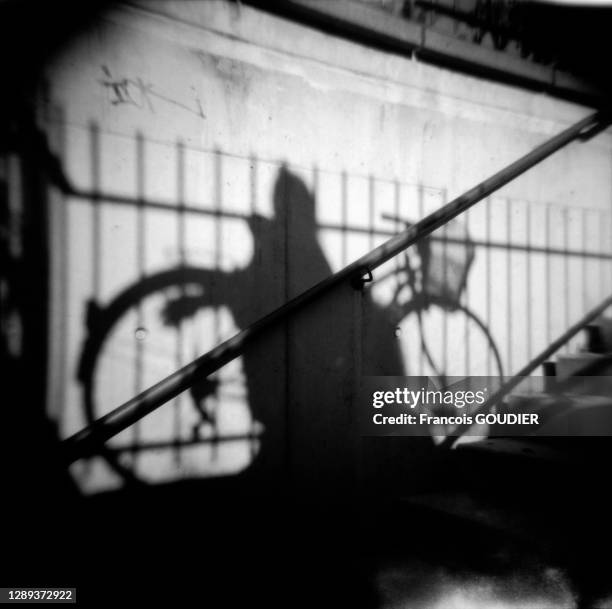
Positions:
(526, 370)
(87, 441)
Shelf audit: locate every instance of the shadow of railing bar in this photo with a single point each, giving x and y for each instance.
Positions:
(175, 444)
(231, 215)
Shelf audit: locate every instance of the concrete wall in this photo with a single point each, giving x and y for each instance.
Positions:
(214, 136)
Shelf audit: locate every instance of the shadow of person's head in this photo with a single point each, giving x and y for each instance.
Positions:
(294, 210)
(293, 201)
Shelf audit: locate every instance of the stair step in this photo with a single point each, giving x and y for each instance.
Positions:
(594, 339)
(515, 447)
(568, 365)
(588, 415)
(567, 414)
(549, 376)
(549, 368)
(543, 404)
(602, 335)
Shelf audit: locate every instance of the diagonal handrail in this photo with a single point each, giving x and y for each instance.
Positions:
(88, 441)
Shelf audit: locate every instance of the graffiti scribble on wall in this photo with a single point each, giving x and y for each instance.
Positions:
(137, 92)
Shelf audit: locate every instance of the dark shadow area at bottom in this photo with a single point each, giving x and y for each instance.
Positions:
(502, 526)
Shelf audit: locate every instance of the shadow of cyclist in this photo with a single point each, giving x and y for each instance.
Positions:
(301, 379)
(302, 376)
